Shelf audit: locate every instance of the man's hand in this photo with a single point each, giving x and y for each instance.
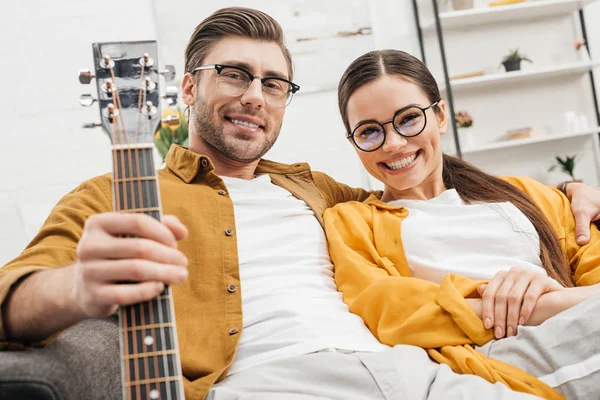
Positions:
(115, 269)
(585, 204)
(122, 259)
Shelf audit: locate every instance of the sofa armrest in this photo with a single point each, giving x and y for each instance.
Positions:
(83, 363)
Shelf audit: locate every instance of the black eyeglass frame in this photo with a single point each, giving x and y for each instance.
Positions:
(423, 109)
(219, 68)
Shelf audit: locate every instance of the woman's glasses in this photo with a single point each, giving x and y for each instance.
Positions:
(408, 122)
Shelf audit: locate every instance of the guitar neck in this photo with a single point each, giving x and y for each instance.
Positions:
(151, 368)
(135, 183)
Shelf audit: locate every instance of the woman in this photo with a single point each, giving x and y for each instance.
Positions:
(415, 265)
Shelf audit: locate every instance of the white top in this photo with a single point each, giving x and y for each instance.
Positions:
(444, 235)
(290, 302)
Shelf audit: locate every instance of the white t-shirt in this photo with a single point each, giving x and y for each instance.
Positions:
(444, 235)
(290, 302)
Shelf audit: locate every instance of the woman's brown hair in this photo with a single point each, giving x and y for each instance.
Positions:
(472, 184)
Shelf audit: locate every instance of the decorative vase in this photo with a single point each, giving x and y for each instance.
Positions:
(512, 65)
(465, 136)
(462, 4)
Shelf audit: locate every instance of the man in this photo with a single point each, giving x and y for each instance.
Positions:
(256, 304)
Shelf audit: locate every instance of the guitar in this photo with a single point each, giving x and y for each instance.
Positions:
(128, 87)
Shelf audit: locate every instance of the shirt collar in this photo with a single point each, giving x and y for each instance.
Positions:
(187, 165)
(374, 201)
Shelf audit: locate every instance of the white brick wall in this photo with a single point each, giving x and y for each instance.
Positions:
(46, 152)
(44, 44)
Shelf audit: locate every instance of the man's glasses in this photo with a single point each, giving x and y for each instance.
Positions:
(234, 81)
(408, 122)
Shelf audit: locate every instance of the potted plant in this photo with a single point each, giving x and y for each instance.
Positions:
(566, 165)
(169, 134)
(512, 61)
(464, 121)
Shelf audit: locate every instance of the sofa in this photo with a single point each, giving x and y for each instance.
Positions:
(82, 364)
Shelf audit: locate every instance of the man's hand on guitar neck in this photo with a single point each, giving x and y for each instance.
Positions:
(115, 269)
(123, 259)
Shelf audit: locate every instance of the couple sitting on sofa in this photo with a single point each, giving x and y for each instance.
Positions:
(447, 264)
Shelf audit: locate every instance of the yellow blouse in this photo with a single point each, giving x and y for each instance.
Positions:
(373, 275)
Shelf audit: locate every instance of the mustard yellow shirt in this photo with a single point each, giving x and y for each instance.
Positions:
(373, 275)
(205, 309)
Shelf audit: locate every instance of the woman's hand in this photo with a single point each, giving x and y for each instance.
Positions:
(509, 298)
(585, 204)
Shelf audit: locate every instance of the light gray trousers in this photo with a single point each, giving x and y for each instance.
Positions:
(402, 372)
(563, 352)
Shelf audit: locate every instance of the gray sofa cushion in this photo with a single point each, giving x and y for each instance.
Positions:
(83, 363)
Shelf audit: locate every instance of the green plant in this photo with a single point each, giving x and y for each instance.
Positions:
(567, 165)
(515, 55)
(171, 134)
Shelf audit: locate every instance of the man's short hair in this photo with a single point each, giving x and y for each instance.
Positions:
(233, 21)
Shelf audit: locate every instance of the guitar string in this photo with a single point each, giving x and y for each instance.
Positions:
(122, 312)
(126, 316)
(162, 327)
(122, 134)
(142, 173)
(153, 194)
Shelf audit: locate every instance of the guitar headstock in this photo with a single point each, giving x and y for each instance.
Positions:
(128, 87)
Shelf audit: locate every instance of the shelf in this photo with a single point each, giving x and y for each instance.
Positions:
(522, 76)
(522, 142)
(533, 9)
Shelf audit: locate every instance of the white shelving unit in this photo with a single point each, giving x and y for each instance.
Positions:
(529, 141)
(534, 9)
(542, 96)
(522, 76)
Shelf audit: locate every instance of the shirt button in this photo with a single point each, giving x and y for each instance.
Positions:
(231, 288)
(222, 192)
(228, 232)
(233, 331)
(204, 162)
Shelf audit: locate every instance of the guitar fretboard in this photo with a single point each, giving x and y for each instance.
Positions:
(151, 365)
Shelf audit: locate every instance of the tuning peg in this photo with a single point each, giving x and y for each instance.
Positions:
(149, 110)
(107, 87)
(171, 120)
(149, 84)
(146, 61)
(107, 62)
(85, 76)
(168, 73)
(87, 100)
(171, 94)
(92, 125)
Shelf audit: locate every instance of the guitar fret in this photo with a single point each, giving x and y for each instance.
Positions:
(155, 380)
(130, 147)
(141, 210)
(148, 355)
(151, 326)
(137, 179)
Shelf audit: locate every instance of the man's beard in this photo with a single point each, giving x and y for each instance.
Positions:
(237, 147)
